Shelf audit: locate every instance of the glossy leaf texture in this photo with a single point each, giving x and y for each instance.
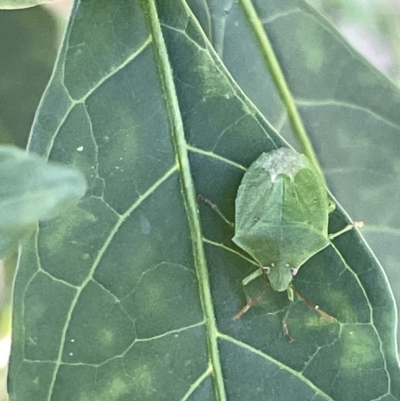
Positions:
(131, 296)
(348, 108)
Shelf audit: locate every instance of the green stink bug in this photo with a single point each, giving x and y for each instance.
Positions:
(281, 215)
(281, 219)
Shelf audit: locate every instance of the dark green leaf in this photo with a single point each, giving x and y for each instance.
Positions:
(349, 110)
(126, 298)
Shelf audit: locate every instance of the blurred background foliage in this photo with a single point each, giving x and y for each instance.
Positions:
(30, 39)
(370, 26)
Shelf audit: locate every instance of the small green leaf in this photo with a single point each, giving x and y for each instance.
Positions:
(30, 190)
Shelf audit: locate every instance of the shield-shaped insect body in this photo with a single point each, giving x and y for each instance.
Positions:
(282, 210)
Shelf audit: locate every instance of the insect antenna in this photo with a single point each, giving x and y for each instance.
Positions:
(214, 207)
(249, 304)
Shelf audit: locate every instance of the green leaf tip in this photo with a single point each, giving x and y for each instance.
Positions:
(32, 189)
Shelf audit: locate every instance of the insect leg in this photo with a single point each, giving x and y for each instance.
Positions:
(252, 276)
(285, 327)
(249, 304)
(356, 224)
(215, 208)
(322, 313)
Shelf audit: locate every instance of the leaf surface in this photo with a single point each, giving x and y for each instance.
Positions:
(348, 108)
(131, 296)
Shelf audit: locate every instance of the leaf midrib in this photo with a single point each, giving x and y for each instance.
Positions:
(278, 76)
(189, 194)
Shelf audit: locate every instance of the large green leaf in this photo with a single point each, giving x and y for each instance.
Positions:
(131, 296)
(349, 109)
